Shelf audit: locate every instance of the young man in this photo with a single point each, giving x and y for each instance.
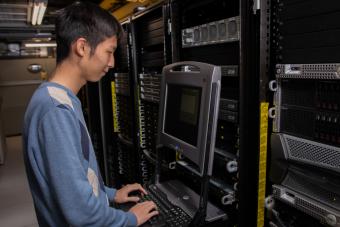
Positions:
(63, 174)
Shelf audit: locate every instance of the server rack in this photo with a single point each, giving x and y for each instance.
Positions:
(126, 156)
(89, 96)
(97, 110)
(225, 33)
(150, 42)
(107, 128)
(304, 142)
(195, 30)
(264, 14)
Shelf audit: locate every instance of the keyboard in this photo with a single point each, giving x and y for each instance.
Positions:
(169, 214)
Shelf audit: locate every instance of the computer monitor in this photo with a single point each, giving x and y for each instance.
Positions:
(188, 113)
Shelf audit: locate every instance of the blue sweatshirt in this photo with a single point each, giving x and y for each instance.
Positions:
(62, 170)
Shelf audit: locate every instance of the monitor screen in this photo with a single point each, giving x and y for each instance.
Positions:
(182, 112)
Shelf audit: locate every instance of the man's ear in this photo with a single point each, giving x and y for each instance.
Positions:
(81, 47)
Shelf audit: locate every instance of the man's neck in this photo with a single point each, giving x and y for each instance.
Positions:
(69, 76)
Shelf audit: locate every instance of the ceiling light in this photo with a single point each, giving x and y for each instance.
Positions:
(39, 8)
(36, 6)
(40, 44)
(41, 13)
(29, 11)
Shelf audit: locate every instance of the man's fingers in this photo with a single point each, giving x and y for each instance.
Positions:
(149, 205)
(152, 206)
(142, 190)
(132, 199)
(153, 213)
(136, 186)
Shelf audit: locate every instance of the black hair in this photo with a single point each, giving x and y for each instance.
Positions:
(83, 20)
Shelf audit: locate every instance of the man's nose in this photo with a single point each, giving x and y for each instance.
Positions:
(112, 62)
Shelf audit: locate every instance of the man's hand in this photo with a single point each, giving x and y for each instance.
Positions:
(122, 195)
(144, 211)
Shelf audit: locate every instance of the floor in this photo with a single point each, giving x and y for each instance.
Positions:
(16, 205)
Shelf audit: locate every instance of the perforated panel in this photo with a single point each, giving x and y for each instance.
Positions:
(310, 208)
(306, 205)
(315, 153)
(308, 71)
(298, 92)
(298, 122)
(316, 189)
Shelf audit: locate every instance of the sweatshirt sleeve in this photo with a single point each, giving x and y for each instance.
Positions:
(60, 141)
(111, 193)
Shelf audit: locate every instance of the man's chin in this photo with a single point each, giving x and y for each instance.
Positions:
(93, 80)
(103, 74)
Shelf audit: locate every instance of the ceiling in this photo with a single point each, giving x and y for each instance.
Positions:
(17, 31)
(15, 25)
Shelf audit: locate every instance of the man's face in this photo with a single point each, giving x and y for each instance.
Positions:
(99, 63)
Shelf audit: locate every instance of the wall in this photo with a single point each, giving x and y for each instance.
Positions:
(17, 85)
